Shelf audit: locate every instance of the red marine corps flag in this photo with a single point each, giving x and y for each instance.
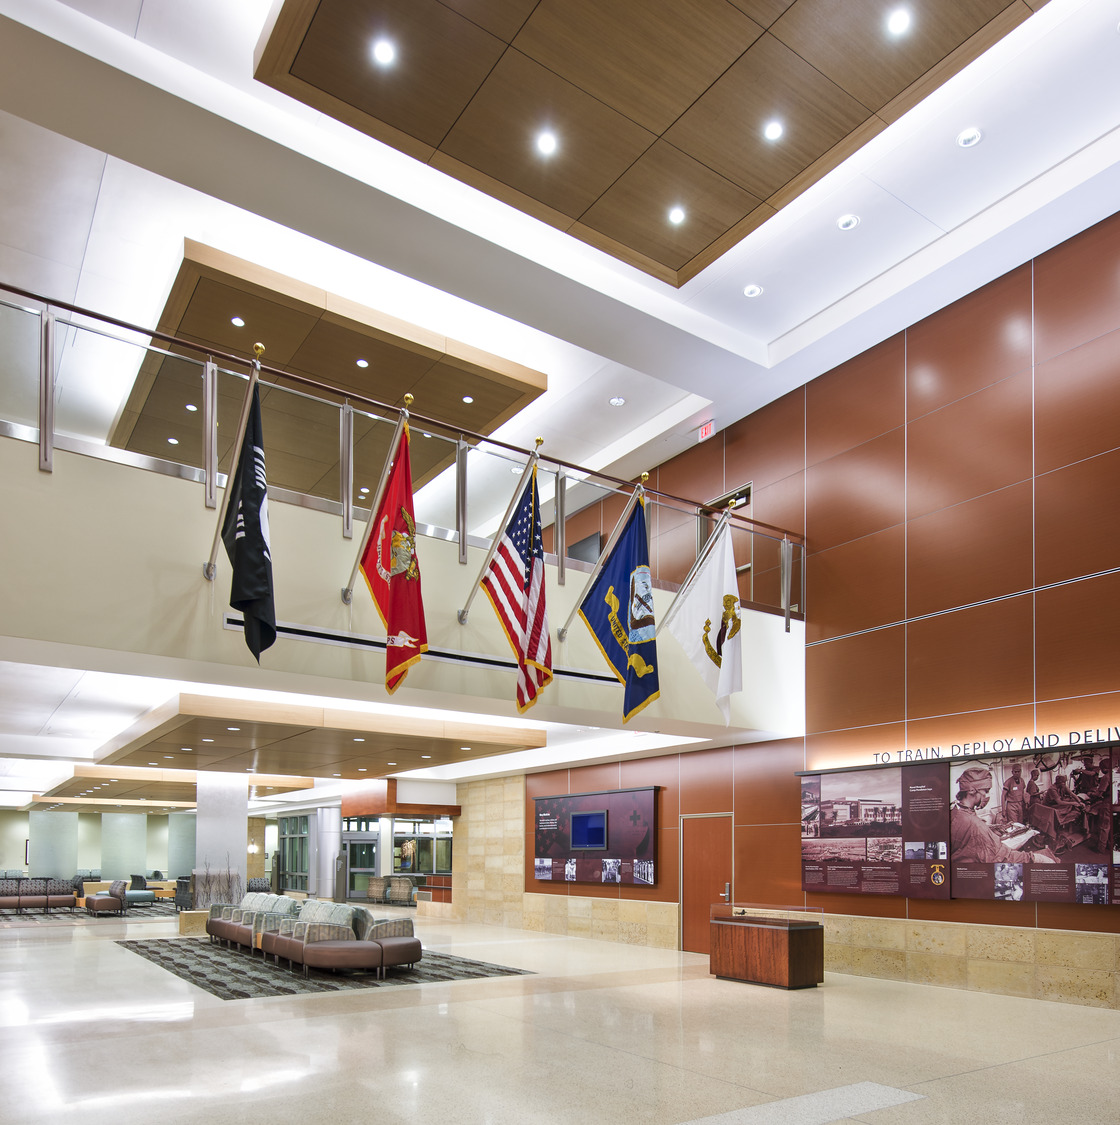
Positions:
(392, 570)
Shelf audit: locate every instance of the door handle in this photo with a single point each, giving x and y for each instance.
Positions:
(725, 894)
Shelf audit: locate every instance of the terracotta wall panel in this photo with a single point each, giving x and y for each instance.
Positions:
(870, 906)
(972, 659)
(856, 493)
(663, 772)
(593, 779)
(1077, 290)
(1081, 713)
(673, 552)
(766, 788)
(781, 505)
(1078, 532)
(697, 473)
(856, 586)
(768, 865)
(707, 781)
(857, 401)
(856, 681)
(970, 344)
(1071, 916)
(973, 446)
(1077, 404)
(854, 746)
(970, 552)
(544, 785)
(1077, 651)
(987, 725)
(767, 445)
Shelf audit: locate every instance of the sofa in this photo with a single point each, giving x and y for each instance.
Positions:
(241, 924)
(335, 935)
(395, 890)
(112, 901)
(38, 893)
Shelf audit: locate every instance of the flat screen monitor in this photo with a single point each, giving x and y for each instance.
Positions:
(589, 830)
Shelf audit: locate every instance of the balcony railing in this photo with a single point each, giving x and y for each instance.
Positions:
(72, 379)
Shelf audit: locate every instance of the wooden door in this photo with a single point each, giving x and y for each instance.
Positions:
(707, 867)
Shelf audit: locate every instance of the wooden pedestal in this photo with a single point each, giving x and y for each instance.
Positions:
(776, 951)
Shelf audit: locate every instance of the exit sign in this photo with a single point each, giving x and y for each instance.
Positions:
(705, 431)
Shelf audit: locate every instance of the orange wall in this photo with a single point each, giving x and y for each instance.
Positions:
(959, 489)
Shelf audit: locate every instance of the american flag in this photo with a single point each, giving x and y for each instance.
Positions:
(514, 583)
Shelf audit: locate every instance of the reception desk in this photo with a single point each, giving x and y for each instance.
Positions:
(763, 945)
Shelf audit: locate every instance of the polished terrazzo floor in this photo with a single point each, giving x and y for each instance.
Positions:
(91, 1033)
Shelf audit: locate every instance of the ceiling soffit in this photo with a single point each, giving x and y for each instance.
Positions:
(314, 334)
(654, 104)
(304, 742)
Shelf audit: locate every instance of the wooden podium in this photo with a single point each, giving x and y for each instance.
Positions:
(766, 946)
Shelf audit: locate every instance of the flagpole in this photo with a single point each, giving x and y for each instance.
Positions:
(700, 560)
(534, 457)
(209, 569)
(379, 495)
(603, 555)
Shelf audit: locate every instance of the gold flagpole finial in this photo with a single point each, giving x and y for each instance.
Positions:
(645, 477)
(258, 349)
(407, 401)
(540, 442)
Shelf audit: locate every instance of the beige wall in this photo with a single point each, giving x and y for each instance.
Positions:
(13, 836)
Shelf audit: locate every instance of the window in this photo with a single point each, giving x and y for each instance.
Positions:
(294, 853)
(422, 847)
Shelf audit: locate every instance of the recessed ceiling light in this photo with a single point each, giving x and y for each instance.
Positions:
(773, 130)
(233, 728)
(617, 400)
(390, 763)
(425, 755)
(191, 407)
(848, 222)
(237, 322)
(363, 491)
(361, 769)
(359, 740)
(546, 142)
(384, 52)
(898, 21)
(153, 763)
(362, 362)
(464, 747)
(172, 441)
(337, 775)
(676, 215)
(752, 291)
(969, 137)
(468, 399)
(207, 740)
(186, 749)
(169, 755)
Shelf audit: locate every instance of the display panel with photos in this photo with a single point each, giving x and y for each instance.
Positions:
(607, 837)
(1033, 827)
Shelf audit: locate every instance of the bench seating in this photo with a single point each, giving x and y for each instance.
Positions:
(36, 893)
(241, 924)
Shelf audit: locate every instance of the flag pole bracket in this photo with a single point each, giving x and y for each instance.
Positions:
(209, 571)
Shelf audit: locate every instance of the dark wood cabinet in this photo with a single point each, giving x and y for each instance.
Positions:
(787, 953)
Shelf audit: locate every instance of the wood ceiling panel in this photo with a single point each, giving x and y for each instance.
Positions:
(849, 43)
(502, 18)
(442, 58)
(440, 394)
(495, 135)
(648, 59)
(634, 211)
(763, 12)
(272, 320)
(724, 128)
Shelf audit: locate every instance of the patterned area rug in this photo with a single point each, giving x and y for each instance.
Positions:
(231, 974)
(162, 910)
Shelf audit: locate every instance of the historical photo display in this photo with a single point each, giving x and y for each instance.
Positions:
(1033, 827)
(604, 837)
(876, 831)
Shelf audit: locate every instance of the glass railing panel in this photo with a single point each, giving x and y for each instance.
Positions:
(19, 365)
(301, 440)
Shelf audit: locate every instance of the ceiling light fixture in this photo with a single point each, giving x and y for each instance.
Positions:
(617, 400)
(207, 740)
(752, 291)
(237, 322)
(546, 142)
(425, 755)
(966, 138)
(848, 222)
(468, 399)
(359, 740)
(390, 763)
(364, 491)
(191, 407)
(172, 441)
(898, 21)
(384, 52)
(233, 728)
(361, 769)
(773, 130)
(676, 216)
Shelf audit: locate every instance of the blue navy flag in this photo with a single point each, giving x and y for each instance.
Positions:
(245, 535)
(618, 610)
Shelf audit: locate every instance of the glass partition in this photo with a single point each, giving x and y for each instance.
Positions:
(19, 365)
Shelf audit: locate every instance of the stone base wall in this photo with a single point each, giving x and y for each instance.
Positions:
(1065, 965)
(488, 878)
(627, 921)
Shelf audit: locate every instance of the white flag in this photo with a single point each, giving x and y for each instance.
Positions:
(705, 620)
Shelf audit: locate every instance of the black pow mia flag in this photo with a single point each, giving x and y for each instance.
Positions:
(245, 535)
